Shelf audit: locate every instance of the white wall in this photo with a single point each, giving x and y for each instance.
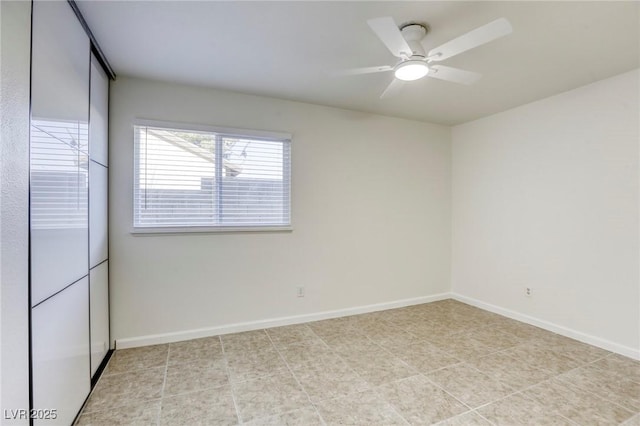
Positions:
(370, 207)
(546, 196)
(15, 21)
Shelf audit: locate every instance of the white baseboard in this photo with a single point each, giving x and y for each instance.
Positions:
(155, 339)
(564, 331)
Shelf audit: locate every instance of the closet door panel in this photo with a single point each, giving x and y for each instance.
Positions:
(60, 353)
(98, 150)
(98, 213)
(98, 302)
(59, 149)
(60, 69)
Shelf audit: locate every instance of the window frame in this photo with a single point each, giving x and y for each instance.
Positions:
(221, 131)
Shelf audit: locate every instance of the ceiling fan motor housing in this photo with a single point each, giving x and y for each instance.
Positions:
(413, 33)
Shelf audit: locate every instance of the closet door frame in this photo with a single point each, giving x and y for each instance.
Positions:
(98, 164)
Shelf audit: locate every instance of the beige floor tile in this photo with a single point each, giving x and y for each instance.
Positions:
(329, 377)
(208, 348)
(282, 336)
(520, 329)
(477, 357)
(458, 322)
(252, 364)
(247, 341)
(342, 338)
(208, 407)
(512, 371)
(145, 413)
(469, 385)
(581, 351)
(573, 349)
(424, 357)
(331, 326)
(305, 351)
(269, 395)
(622, 365)
(363, 408)
(132, 359)
(415, 312)
(434, 333)
(612, 386)
(194, 376)
(493, 338)
(301, 417)
(370, 321)
(379, 367)
(399, 338)
(376, 328)
(406, 321)
(469, 418)
(431, 330)
(118, 390)
(519, 410)
(419, 401)
(439, 313)
(351, 344)
(461, 346)
(362, 350)
(633, 421)
(543, 358)
(485, 318)
(578, 405)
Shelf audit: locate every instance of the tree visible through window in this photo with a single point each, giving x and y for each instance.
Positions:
(210, 179)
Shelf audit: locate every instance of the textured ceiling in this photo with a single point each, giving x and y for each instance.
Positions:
(289, 50)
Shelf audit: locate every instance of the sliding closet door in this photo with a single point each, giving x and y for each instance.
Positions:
(61, 354)
(59, 211)
(98, 215)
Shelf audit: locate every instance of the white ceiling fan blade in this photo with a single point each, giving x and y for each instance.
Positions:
(365, 70)
(387, 30)
(453, 75)
(392, 89)
(493, 30)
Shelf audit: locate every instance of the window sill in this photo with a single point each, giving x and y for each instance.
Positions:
(208, 230)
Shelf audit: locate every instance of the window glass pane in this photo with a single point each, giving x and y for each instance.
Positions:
(252, 188)
(176, 171)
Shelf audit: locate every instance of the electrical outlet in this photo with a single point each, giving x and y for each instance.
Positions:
(300, 291)
(528, 291)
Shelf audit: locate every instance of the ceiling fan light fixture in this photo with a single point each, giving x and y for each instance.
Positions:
(411, 70)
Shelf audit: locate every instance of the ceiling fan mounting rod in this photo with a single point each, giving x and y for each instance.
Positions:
(415, 23)
(413, 33)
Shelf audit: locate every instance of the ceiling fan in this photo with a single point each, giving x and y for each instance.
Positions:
(406, 43)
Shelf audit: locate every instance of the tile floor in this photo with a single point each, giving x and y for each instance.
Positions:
(443, 362)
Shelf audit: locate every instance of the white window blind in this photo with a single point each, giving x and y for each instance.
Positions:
(209, 179)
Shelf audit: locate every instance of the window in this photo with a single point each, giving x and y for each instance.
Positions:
(197, 178)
